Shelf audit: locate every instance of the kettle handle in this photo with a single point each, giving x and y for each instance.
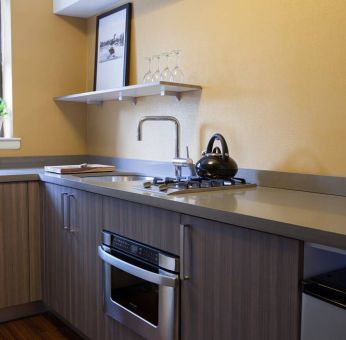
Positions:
(222, 140)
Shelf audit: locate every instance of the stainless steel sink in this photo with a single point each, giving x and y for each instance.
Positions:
(117, 178)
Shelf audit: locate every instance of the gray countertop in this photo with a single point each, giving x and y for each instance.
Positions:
(20, 174)
(301, 215)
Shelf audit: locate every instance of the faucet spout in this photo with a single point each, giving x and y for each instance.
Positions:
(139, 130)
(161, 118)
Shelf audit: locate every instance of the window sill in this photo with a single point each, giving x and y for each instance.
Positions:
(9, 143)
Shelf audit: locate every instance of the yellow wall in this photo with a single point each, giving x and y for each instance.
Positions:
(49, 59)
(274, 78)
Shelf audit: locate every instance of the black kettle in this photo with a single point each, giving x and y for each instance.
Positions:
(216, 163)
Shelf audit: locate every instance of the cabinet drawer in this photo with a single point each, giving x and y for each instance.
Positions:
(153, 226)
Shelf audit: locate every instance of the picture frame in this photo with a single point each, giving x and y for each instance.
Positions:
(112, 49)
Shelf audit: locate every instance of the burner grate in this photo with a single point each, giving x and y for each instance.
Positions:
(194, 182)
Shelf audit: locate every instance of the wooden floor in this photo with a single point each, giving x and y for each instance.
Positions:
(39, 327)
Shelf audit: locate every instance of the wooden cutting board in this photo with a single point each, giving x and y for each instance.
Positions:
(79, 168)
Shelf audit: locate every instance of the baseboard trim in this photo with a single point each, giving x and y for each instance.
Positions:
(22, 311)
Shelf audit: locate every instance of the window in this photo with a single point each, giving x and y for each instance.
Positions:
(7, 141)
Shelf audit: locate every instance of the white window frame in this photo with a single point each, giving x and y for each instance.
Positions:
(7, 142)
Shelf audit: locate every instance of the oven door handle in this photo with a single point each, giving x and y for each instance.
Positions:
(170, 280)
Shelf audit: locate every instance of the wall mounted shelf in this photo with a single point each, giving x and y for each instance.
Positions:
(83, 8)
(130, 93)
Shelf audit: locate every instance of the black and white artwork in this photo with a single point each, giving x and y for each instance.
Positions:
(112, 49)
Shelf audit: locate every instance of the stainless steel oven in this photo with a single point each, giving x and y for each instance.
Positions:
(141, 287)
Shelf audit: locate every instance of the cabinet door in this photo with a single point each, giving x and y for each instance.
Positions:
(71, 254)
(153, 226)
(57, 282)
(244, 284)
(86, 220)
(35, 241)
(14, 245)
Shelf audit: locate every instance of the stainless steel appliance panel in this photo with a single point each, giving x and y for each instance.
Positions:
(137, 292)
(322, 320)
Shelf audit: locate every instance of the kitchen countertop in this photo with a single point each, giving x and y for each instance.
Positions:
(301, 215)
(20, 174)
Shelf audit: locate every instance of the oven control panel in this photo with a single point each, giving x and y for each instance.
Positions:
(131, 247)
(140, 251)
(135, 249)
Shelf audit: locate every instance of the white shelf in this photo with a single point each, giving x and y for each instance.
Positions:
(83, 8)
(130, 93)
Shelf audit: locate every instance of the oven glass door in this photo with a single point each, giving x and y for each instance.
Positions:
(135, 294)
(140, 295)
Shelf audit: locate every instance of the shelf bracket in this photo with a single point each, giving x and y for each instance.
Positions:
(98, 103)
(122, 98)
(164, 92)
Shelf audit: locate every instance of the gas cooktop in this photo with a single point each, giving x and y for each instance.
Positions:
(184, 185)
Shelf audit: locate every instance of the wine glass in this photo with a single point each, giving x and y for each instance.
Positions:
(166, 74)
(147, 78)
(177, 73)
(157, 74)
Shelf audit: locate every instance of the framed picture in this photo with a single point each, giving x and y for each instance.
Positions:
(112, 48)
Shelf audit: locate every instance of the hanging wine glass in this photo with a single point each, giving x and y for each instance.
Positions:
(177, 73)
(157, 74)
(166, 74)
(147, 78)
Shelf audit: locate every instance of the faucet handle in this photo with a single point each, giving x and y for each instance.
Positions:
(185, 162)
(181, 161)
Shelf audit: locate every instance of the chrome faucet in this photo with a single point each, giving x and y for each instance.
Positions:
(177, 161)
(162, 118)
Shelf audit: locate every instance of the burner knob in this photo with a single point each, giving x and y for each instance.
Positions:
(163, 187)
(147, 185)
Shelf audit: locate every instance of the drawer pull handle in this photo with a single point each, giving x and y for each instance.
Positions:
(184, 273)
(65, 225)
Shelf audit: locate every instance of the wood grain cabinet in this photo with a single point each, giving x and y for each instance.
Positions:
(244, 284)
(56, 251)
(73, 284)
(71, 222)
(20, 244)
(14, 245)
(156, 227)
